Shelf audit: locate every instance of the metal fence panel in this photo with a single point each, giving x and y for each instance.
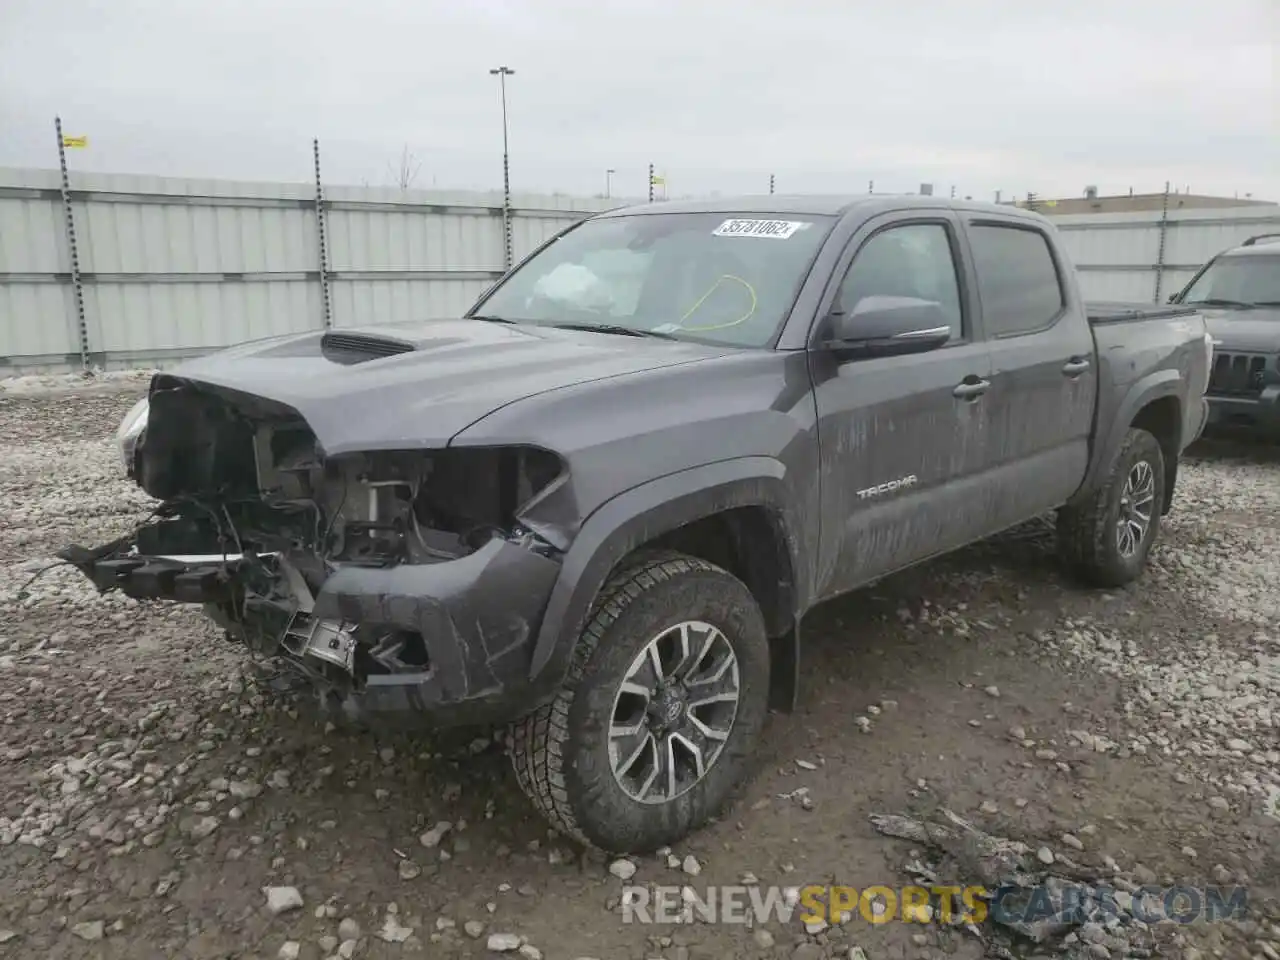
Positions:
(174, 267)
(1118, 255)
(374, 302)
(412, 239)
(147, 319)
(31, 236)
(36, 323)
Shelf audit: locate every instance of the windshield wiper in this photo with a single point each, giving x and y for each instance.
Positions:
(1267, 303)
(1214, 302)
(490, 318)
(612, 328)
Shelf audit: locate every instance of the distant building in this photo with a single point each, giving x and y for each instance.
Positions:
(1132, 203)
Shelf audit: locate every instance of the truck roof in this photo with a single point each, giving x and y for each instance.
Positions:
(820, 205)
(1265, 245)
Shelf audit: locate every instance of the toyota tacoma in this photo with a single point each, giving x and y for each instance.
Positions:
(598, 506)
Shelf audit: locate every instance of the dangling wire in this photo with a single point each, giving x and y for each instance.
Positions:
(22, 590)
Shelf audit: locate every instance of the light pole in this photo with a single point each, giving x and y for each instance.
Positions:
(502, 73)
(608, 183)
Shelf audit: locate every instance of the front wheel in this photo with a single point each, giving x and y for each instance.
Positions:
(659, 713)
(1106, 540)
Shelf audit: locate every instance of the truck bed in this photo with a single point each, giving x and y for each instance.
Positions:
(1110, 311)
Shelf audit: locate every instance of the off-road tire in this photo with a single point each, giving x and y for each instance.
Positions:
(1087, 532)
(560, 752)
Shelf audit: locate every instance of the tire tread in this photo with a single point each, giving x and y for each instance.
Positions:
(1085, 536)
(538, 739)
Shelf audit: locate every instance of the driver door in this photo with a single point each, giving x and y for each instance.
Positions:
(902, 438)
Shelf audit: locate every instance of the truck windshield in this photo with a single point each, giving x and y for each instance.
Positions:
(696, 276)
(1248, 281)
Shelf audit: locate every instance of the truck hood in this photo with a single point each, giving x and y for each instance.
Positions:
(1255, 330)
(446, 375)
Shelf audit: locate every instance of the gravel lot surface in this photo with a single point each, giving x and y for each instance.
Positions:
(154, 803)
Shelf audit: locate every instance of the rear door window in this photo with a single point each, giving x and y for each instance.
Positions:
(1018, 280)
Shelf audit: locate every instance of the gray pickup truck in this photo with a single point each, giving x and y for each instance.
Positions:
(1238, 291)
(599, 505)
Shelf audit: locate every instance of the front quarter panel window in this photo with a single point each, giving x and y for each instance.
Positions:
(704, 276)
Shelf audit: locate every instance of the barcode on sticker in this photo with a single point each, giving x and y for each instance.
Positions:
(771, 229)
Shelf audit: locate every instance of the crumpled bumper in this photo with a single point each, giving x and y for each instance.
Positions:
(477, 616)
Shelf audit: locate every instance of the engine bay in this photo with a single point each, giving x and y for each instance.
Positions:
(256, 473)
(259, 520)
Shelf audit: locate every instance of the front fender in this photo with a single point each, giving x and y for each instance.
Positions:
(636, 517)
(1154, 386)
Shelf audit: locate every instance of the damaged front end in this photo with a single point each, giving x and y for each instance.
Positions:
(389, 580)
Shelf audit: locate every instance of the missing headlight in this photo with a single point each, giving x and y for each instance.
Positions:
(423, 508)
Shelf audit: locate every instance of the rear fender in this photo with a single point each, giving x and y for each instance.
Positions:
(1154, 386)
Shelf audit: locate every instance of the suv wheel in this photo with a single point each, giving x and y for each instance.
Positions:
(660, 712)
(1106, 540)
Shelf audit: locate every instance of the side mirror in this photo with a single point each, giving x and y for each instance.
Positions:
(889, 326)
(1173, 298)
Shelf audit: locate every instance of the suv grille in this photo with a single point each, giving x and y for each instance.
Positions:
(1238, 374)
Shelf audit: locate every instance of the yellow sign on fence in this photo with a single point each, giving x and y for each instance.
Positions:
(75, 142)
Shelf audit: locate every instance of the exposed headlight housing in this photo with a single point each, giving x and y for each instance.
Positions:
(131, 428)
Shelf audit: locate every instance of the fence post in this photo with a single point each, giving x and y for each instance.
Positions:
(508, 255)
(69, 219)
(324, 246)
(1164, 233)
(651, 183)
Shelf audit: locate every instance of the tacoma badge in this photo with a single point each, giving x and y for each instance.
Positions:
(902, 483)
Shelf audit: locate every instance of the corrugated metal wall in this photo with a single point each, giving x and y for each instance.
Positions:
(172, 268)
(1117, 254)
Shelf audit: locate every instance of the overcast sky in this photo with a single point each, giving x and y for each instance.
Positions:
(826, 94)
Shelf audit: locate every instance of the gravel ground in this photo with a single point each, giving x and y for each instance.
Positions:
(152, 803)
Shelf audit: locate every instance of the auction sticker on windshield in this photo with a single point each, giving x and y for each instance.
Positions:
(770, 229)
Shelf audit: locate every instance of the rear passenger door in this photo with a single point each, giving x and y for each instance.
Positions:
(901, 437)
(1043, 369)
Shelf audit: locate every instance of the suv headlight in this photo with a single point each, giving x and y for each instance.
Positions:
(131, 427)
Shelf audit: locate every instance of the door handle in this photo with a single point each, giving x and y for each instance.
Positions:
(971, 389)
(1075, 366)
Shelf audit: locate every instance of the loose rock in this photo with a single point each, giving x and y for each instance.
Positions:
(282, 899)
(431, 839)
(623, 869)
(90, 930)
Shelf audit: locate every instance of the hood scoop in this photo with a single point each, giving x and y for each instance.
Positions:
(352, 348)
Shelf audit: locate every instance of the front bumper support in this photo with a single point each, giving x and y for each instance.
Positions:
(477, 616)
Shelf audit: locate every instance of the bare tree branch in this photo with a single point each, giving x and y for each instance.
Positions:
(403, 174)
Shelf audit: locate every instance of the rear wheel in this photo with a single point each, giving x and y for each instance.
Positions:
(660, 712)
(1107, 539)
